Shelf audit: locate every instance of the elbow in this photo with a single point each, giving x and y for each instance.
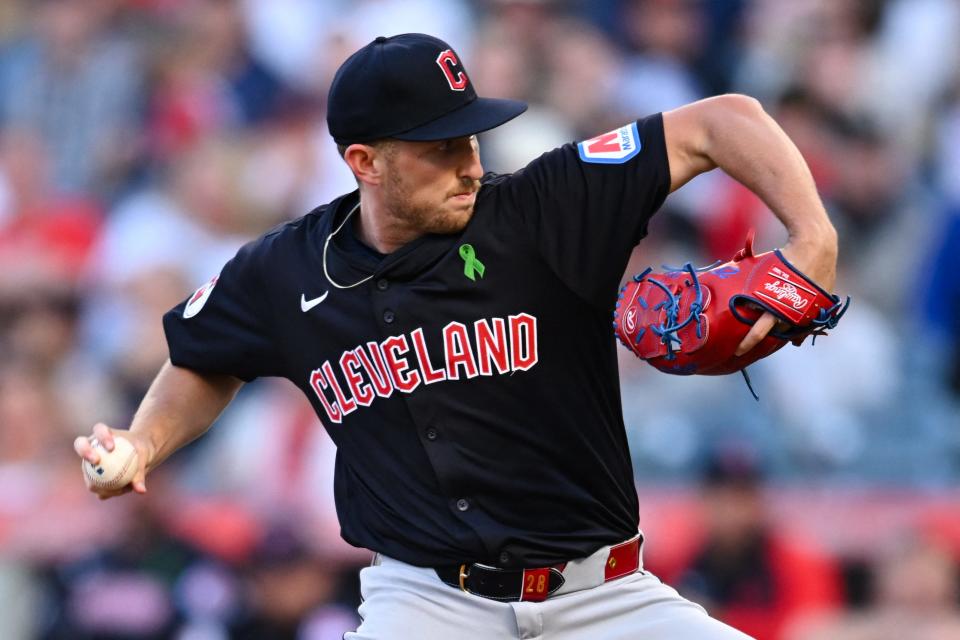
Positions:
(731, 112)
(739, 104)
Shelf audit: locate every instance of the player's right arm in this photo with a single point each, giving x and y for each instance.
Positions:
(219, 337)
(179, 407)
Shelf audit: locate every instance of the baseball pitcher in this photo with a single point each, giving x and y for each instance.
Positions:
(452, 330)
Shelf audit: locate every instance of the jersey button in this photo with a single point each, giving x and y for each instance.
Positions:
(389, 316)
(382, 284)
(463, 504)
(432, 434)
(504, 557)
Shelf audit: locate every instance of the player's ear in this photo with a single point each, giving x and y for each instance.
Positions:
(366, 162)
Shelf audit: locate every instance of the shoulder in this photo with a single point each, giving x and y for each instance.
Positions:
(626, 145)
(300, 226)
(555, 159)
(299, 231)
(283, 247)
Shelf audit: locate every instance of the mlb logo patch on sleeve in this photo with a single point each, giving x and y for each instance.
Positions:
(199, 298)
(613, 147)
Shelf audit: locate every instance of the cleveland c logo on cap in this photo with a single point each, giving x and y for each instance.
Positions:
(448, 63)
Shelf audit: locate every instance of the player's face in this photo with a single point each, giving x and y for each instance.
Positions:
(432, 186)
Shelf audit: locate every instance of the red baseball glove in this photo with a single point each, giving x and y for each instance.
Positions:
(690, 321)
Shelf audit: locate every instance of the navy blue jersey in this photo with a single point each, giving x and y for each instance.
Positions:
(470, 384)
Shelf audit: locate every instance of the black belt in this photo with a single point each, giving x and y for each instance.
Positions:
(505, 585)
(515, 585)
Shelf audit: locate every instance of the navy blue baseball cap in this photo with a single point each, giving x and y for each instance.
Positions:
(409, 87)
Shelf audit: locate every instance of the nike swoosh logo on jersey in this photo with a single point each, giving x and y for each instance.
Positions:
(306, 305)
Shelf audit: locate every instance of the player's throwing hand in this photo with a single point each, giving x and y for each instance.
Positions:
(86, 448)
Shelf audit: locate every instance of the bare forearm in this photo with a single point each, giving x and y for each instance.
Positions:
(752, 148)
(734, 133)
(179, 407)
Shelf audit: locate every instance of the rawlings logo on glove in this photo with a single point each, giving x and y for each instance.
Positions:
(690, 321)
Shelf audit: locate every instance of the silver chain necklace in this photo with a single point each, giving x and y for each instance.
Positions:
(327, 244)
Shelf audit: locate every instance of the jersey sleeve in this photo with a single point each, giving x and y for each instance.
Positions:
(224, 327)
(587, 205)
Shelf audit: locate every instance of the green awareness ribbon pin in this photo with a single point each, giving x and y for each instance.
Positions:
(471, 264)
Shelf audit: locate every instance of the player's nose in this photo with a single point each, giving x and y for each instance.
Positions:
(471, 167)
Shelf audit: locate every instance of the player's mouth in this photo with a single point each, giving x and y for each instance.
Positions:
(464, 196)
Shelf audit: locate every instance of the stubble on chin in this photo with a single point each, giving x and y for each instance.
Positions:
(439, 220)
(443, 218)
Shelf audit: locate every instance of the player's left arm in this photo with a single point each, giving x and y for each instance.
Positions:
(734, 133)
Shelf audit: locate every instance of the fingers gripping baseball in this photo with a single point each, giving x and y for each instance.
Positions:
(113, 461)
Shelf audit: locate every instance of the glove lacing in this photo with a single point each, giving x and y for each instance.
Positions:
(827, 319)
(667, 330)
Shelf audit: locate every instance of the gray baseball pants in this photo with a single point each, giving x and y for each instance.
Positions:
(404, 602)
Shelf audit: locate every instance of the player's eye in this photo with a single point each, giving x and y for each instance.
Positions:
(454, 146)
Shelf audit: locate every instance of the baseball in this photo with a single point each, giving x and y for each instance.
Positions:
(116, 468)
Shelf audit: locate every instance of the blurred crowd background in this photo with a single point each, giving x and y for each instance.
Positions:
(143, 141)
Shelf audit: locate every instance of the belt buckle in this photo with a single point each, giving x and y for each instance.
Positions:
(464, 574)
